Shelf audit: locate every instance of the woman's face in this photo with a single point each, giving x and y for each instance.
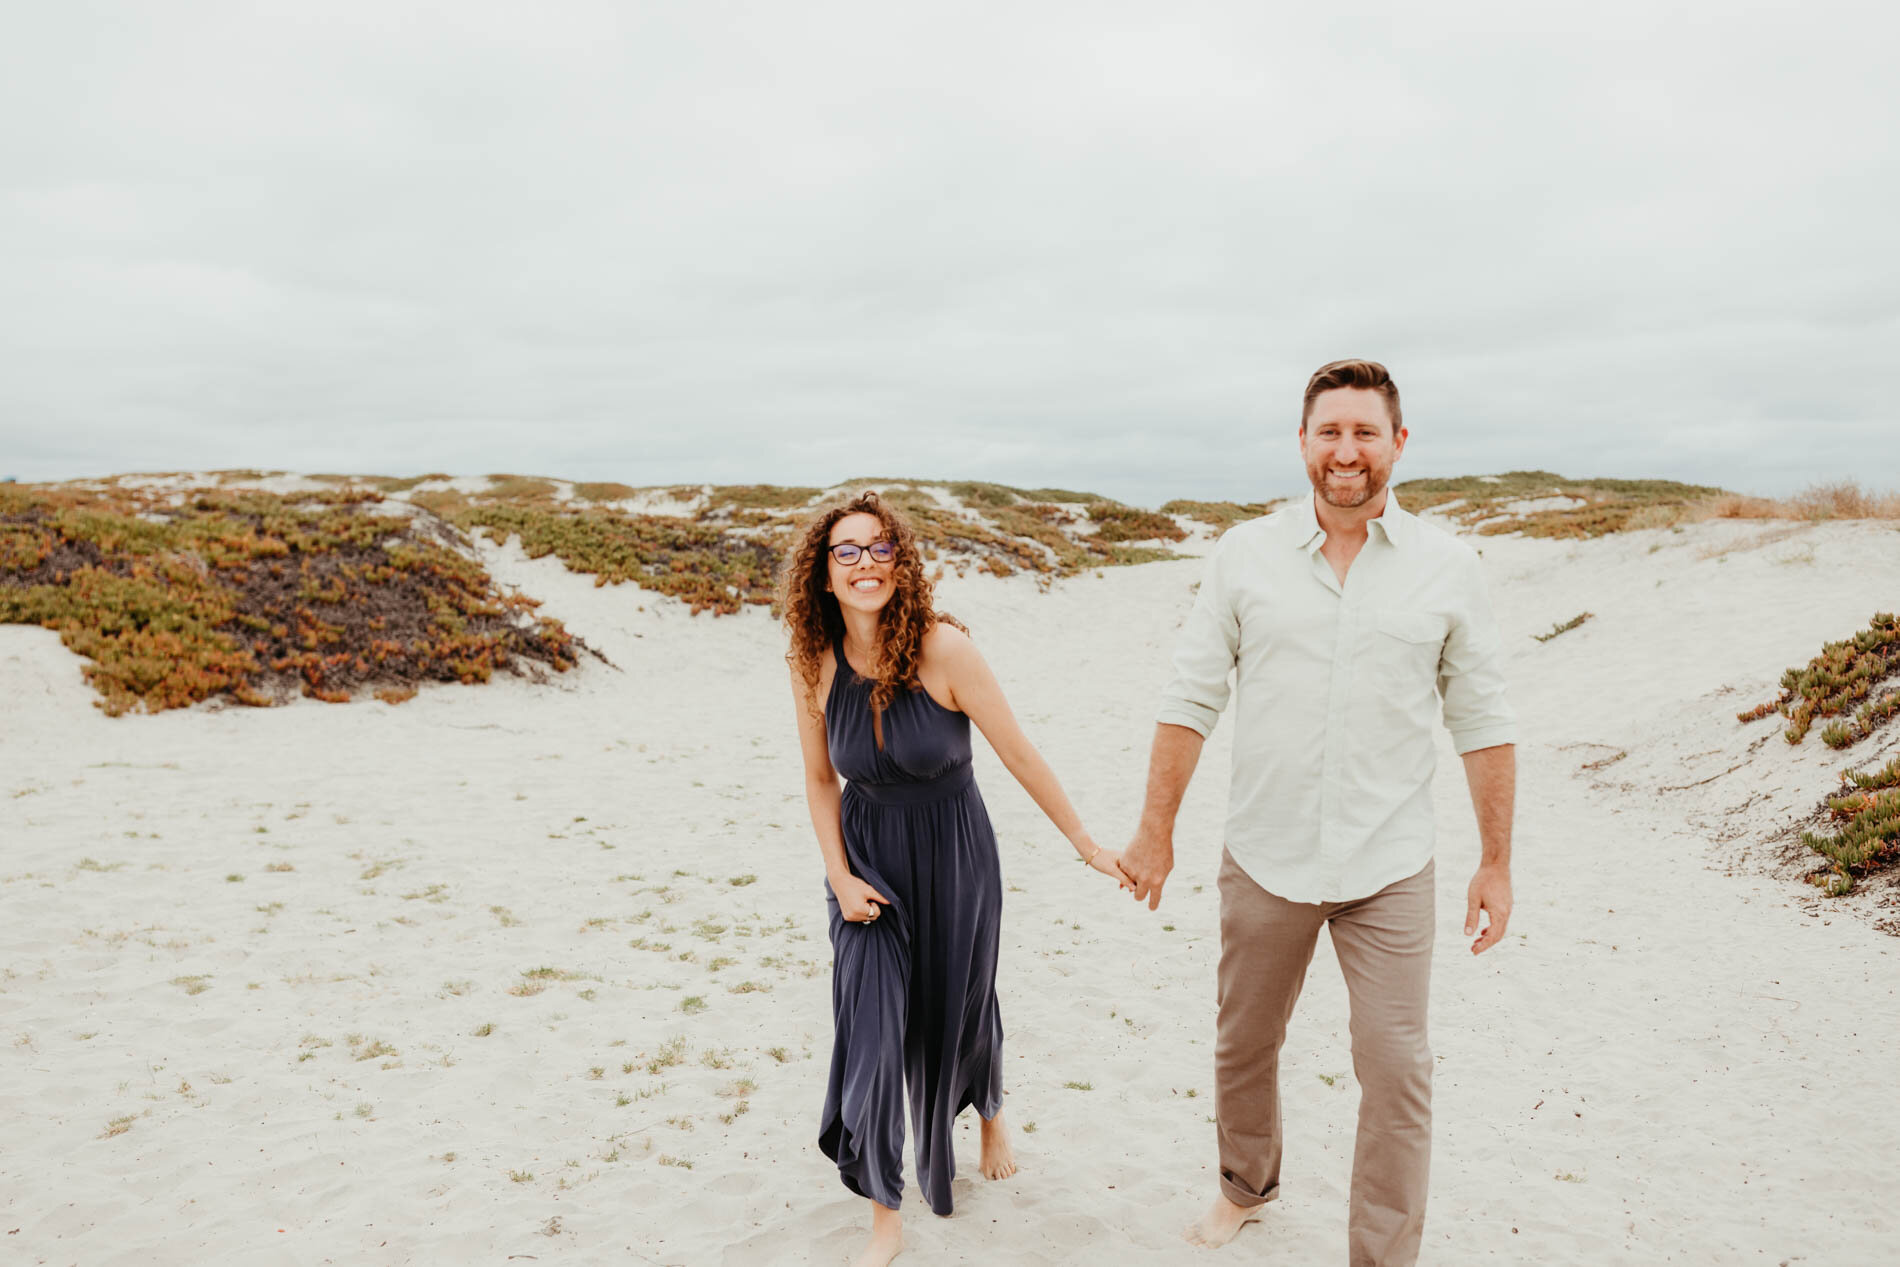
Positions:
(865, 583)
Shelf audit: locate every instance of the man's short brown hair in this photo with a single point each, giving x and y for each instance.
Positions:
(1354, 373)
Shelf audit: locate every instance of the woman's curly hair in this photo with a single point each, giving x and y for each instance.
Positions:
(816, 624)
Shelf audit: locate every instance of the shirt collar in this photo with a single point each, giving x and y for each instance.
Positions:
(1395, 523)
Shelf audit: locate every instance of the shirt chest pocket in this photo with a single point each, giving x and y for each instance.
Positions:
(1405, 646)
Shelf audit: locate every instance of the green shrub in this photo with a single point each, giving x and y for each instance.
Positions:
(756, 496)
(1131, 523)
(1222, 515)
(511, 488)
(1607, 505)
(604, 492)
(704, 567)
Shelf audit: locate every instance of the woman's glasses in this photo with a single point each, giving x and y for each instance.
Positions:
(849, 552)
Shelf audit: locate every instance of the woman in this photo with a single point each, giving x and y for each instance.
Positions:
(886, 689)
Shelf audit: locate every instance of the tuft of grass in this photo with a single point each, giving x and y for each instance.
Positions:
(672, 1052)
(1842, 499)
(740, 881)
(1565, 627)
(484, 1029)
(521, 1176)
(118, 1126)
(668, 1160)
(1079, 1086)
(505, 916)
(234, 878)
(280, 867)
(693, 1004)
(193, 985)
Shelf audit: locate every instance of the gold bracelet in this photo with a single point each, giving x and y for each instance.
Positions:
(1090, 860)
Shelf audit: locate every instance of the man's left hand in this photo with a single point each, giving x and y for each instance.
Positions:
(1490, 892)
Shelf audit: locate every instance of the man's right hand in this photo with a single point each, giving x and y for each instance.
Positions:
(1146, 862)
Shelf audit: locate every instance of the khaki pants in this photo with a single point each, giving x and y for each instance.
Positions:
(1384, 947)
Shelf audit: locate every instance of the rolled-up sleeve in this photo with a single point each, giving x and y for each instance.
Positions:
(1471, 670)
(1203, 655)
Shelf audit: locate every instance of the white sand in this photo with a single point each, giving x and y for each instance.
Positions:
(1674, 1058)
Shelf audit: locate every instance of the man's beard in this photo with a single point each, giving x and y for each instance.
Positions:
(1367, 489)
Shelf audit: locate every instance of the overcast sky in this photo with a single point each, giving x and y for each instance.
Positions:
(1094, 245)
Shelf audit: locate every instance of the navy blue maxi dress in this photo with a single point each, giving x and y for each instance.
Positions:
(913, 992)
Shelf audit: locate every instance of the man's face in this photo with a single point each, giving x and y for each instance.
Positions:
(1349, 446)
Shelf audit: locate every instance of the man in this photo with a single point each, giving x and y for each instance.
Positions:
(1343, 620)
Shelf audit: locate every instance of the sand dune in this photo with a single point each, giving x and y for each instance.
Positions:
(542, 970)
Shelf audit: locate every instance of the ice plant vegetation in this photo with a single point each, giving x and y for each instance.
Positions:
(177, 597)
(1848, 680)
(1867, 815)
(180, 589)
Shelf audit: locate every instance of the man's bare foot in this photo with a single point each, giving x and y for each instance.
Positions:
(887, 1238)
(999, 1159)
(1218, 1226)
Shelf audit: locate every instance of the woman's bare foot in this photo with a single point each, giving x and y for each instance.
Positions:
(887, 1238)
(1218, 1226)
(999, 1159)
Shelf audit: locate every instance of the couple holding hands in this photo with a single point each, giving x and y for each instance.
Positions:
(1343, 622)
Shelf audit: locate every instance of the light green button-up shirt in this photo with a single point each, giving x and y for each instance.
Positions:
(1336, 688)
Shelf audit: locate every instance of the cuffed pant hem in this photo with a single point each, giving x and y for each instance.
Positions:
(1244, 1197)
